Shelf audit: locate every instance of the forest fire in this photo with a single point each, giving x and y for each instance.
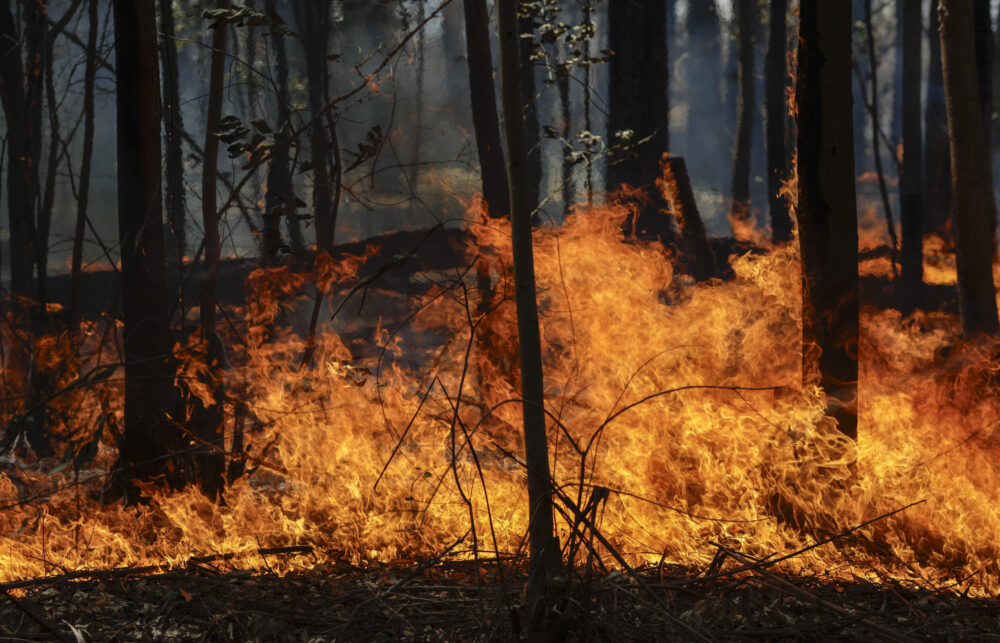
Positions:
(676, 417)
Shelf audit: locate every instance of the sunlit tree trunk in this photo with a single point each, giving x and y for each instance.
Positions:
(484, 112)
(83, 194)
(173, 128)
(150, 437)
(825, 208)
(970, 179)
(775, 79)
(937, 162)
(637, 96)
(910, 197)
(746, 24)
(544, 548)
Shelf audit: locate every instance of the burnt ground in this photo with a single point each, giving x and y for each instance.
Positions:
(444, 601)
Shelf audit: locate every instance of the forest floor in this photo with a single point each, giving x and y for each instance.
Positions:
(445, 601)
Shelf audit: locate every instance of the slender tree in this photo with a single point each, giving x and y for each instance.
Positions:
(493, 174)
(173, 130)
(970, 179)
(21, 176)
(825, 206)
(529, 112)
(35, 36)
(312, 18)
(937, 162)
(775, 79)
(279, 202)
(746, 24)
(544, 548)
(208, 420)
(150, 436)
(83, 194)
(910, 197)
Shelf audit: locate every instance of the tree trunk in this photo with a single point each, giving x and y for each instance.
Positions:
(484, 111)
(35, 37)
(529, 113)
(910, 197)
(746, 21)
(937, 162)
(637, 92)
(775, 78)
(970, 179)
(150, 439)
(825, 208)
(173, 126)
(984, 75)
(544, 548)
(83, 195)
(207, 421)
(279, 202)
(21, 183)
(312, 18)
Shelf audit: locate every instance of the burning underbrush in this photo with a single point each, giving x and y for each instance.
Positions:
(677, 423)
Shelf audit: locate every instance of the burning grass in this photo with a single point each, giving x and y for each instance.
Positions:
(677, 425)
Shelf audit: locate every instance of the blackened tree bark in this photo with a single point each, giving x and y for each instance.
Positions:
(312, 18)
(746, 24)
(970, 178)
(984, 75)
(544, 548)
(279, 202)
(21, 177)
(825, 208)
(150, 437)
(638, 85)
(484, 111)
(208, 420)
(775, 79)
(83, 194)
(937, 162)
(529, 112)
(910, 197)
(35, 37)
(173, 130)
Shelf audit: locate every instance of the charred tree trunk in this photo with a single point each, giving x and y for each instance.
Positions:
(544, 548)
(638, 104)
(746, 22)
(35, 37)
(775, 78)
(529, 112)
(21, 183)
(677, 188)
(910, 197)
(937, 162)
(312, 18)
(83, 194)
(207, 420)
(825, 208)
(484, 111)
(984, 75)
(150, 439)
(279, 202)
(970, 179)
(173, 128)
